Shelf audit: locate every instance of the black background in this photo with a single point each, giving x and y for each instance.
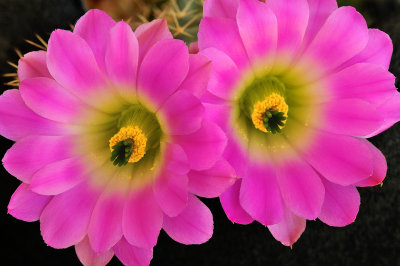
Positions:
(374, 239)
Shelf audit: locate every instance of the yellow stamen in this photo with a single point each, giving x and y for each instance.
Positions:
(273, 102)
(139, 140)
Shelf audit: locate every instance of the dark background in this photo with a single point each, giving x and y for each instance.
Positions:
(374, 239)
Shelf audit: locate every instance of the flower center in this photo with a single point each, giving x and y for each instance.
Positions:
(270, 114)
(128, 146)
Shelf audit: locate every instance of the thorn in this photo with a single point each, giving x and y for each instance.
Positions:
(18, 53)
(381, 184)
(12, 64)
(36, 45)
(291, 246)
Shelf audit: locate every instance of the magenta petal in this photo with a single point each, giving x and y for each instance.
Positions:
(301, 188)
(87, 256)
(224, 75)
(260, 195)
(171, 192)
(33, 65)
(212, 182)
(142, 219)
(231, 205)
(163, 69)
(199, 73)
(32, 153)
(72, 64)
(105, 228)
(391, 111)
(148, 34)
(93, 27)
(292, 22)
(122, 55)
(223, 34)
(289, 230)
(58, 177)
(183, 113)
(378, 51)
(368, 82)
(341, 204)
(27, 205)
(237, 156)
(203, 147)
(65, 219)
(258, 28)
(349, 117)
(344, 35)
(131, 255)
(176, 160)
(192, 226)
(379, 166)
(219, 114)
(48, 99)
(18, 121)
(319, 12)
(220, 8)
(340, 159)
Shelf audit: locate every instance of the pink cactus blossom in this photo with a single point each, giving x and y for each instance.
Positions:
(101, 92)
(297, 86)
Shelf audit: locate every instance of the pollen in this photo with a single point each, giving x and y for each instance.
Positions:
(264, 112)
(136, 137)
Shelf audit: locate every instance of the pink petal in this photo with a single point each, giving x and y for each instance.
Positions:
(368, 82)
(349, 117)
(289, 229)
(131, 255)
(391, 112)
(341, 204)
(105, 228)
(192, 226)
(142, 219)
(231, 205)
(340, 159)
(301, 188)
(65, 219)
(32, 153)
(171, 192)
(199, 73)
(203, 147)
(148, 34)
(237, 156)
(223, 34)
(163, 70)
(379, 166)
(48, 99)
(344, 35)
(58, 177)
(88, 256)
(183, 113)
(260, 195)
(292, 22)
(94, 27)
(258, 28)
(378, 51)
(319, 12)
(175, 159)
(212, 182)
(219, 114)
(18, 121)
(33, 65)
(220, 8)
(121, 57)
(224, 75)
(27, 205)
(72, 64)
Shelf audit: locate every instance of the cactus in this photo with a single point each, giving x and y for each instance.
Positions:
(183, 16)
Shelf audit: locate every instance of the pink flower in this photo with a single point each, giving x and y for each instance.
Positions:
(298, 86)
(101, 92)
